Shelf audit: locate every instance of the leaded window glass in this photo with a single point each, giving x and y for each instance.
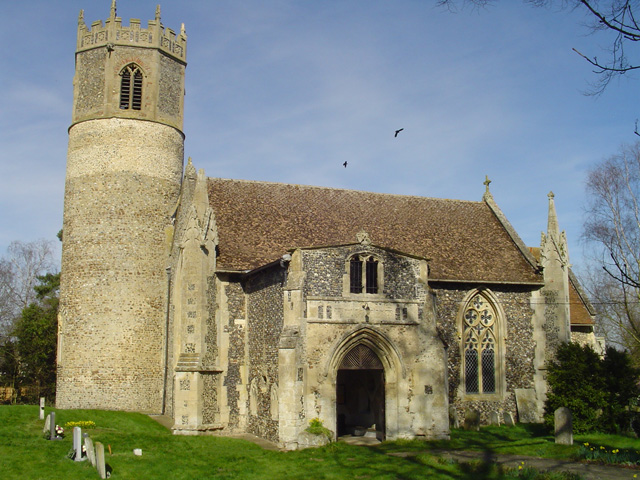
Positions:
(479, 337)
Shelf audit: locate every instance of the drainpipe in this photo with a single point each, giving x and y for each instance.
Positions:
(166, 343)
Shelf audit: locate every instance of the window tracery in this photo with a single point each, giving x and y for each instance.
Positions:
(480, 347)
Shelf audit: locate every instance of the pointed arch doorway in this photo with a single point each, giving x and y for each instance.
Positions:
(360, 394)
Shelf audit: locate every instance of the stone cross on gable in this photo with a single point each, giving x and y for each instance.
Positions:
(486, 182)
(363, 238)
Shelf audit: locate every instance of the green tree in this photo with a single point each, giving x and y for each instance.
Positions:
(576, 382)
(9, 365)
(621, 390)
(36, 337)
(597, 391)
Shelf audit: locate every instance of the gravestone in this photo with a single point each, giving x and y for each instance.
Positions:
(471, 420)
(527, 404)
(77, 444)
(91, 451)
(52, 426)
(494, 418)
(47, 425)
(454, 421)
(508, 419)
(100, 465)
(563, 426)
(41, 408)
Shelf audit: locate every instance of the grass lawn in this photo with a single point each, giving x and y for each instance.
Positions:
(24, 454)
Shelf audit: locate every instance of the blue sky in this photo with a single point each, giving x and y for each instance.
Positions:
(287, 91)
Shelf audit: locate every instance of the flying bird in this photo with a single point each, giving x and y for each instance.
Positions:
(345, 164)
(397, 132)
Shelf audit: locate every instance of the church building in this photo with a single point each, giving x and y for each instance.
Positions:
(238, 306)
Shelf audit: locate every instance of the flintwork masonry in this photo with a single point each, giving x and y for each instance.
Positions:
(237, 306)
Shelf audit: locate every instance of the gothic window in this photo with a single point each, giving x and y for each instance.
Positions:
(479, 335)
(363, 274)
(355, 274)
(131, 87)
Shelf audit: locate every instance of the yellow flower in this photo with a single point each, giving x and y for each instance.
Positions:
(586, 444)
(601, 447)
(519, 467)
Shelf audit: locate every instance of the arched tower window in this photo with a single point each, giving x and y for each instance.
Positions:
(131, 87)
(480, 347)
(364, 274)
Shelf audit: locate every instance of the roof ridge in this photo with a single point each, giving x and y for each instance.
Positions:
(317, 187)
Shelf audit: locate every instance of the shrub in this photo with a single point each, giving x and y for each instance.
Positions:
(597, 391)
(84, 424)
(317, 428)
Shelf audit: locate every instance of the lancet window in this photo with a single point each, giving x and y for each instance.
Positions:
(480, 348)
(131, 87)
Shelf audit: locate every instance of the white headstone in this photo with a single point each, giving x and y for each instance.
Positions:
(100, 465)
(41, 408)
(47, 425)
(91, 451)
(77, 444)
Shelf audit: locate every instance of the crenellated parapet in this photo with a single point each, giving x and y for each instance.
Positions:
(112, 33)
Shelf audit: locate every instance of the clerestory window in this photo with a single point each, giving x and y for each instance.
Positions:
(363, 274)
(131, 87)
(479, 335)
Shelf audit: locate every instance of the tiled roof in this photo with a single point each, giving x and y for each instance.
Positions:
(579, 304)
(581, 311)
(258, 222)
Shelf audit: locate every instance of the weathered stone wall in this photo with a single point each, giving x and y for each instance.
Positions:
(170, 87)
(519, 347)
(123, 178)
(327, 268)
(235, 330)
(90, 83)
(397, 323)
(98, 81)
(265, 319)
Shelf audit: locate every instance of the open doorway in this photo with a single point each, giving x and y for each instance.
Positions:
(360, 394)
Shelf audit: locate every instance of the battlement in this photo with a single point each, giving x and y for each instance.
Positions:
(112, 33)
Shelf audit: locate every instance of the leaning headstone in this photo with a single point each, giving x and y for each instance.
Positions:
(100, 465)
(91, 451)
(508, 419)
(563, 426)
(77, 444)
(527, 404)
(494, 418)
(41, 408)
(454, 421)
(47, 425)
(471, 420)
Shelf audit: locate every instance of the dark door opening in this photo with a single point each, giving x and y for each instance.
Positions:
(360, 394)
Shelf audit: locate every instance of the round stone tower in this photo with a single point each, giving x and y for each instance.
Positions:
(124, 168)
